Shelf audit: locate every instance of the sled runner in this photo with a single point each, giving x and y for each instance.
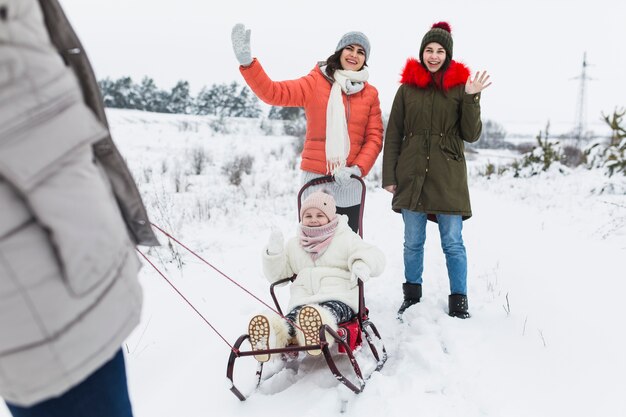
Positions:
(348, 338)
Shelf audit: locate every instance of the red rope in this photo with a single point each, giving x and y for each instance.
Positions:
(219, 272)
(184, 298)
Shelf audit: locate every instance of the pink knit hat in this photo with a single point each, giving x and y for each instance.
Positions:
(322, 201)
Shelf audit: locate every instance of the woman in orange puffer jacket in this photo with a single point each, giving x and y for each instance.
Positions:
(344, 132)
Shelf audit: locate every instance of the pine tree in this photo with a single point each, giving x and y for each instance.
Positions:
(233, 106)
(294, 120)
(205, 101)
(125, 94)
(249, 104)
(106, 88)
(611, 157)
(286, 113)
(618, 132)
(149, 94)
(547, 152)
(180, 99)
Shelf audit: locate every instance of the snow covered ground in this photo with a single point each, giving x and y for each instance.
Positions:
(546, 280)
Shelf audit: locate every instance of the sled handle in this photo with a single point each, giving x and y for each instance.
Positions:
(273, 293)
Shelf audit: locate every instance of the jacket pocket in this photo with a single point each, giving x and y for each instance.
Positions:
(51, 165)
(452, 147)
(27, 269)
(30, 154)
(75, 204)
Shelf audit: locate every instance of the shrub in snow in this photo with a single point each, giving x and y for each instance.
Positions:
(295, 128)
(147, 174)
(547, 155)
(187, 126)
(179, 178)
(616, 159)
(298, 145)
(219, 125)
(235, 169)
(293, 118)
(199, 159)
(267, 127)
(573, 156)
(618, 132)
(489, 170)
(611, 156)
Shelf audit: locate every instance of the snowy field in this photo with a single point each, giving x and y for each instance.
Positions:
(547, 259)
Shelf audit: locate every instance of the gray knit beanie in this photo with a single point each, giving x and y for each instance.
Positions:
(440, 33)
(354, 38)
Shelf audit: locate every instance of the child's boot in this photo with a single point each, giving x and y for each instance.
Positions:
(279, 336)
(267, 332)
(310, 319)
(259, 332)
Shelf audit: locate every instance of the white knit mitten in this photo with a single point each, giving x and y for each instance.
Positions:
(275, 242)
(240, 38)
(342, 176)
(360, 270)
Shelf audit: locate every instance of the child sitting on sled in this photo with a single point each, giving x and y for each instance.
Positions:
(328, 258)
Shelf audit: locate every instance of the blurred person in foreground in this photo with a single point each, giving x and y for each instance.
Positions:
(71, 216)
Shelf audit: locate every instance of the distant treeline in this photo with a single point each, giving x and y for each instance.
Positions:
(224, 100)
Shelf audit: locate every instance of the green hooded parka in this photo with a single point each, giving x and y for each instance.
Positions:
(423, 151)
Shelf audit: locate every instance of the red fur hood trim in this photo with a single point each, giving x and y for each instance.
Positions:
(415, 74)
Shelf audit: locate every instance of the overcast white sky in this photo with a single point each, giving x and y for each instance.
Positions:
(533, 49)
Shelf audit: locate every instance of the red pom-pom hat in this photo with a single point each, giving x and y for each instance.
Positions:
(441, 33)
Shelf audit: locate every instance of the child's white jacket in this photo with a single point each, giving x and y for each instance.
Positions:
(328, 277)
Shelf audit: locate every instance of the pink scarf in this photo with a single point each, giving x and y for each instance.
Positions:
(315, 240)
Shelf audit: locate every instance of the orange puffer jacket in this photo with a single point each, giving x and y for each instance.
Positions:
(363, 114)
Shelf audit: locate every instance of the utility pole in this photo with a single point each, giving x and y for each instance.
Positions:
(580, 128)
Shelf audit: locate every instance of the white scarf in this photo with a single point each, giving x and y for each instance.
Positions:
(337, 138)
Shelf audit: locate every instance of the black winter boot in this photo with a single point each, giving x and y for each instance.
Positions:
(412, 295)
(457, 306)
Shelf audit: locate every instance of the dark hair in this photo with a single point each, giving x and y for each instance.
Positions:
(333, 63)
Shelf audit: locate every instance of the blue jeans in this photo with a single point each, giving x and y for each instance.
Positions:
(450, 230)
(103, 394)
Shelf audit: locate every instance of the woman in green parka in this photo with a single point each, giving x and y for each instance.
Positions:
(435, 110)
